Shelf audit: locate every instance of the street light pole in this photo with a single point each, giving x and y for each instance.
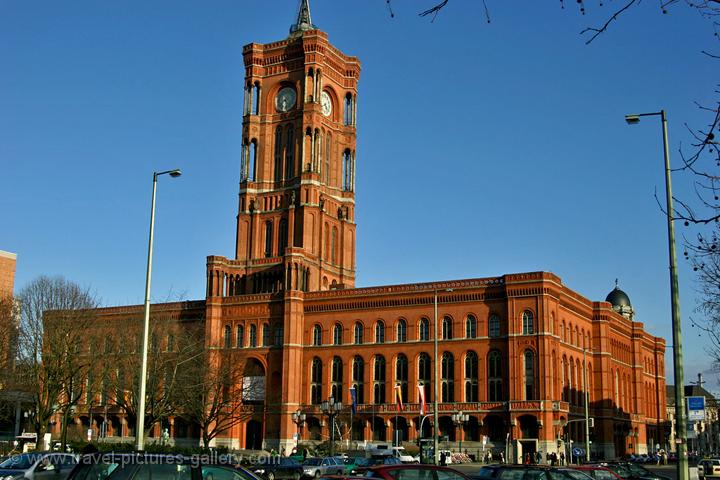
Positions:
(331, 408)
(459, 419)
(140, 426)
(436, 381)
(678, 369)
(298, 417)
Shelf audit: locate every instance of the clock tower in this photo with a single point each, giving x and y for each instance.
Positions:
(296, 209)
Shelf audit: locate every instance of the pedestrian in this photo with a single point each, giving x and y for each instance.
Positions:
(562, 458)
(502, 457)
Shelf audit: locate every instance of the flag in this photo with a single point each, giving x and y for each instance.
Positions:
(398, 398)
(421, 391)
(353, 400)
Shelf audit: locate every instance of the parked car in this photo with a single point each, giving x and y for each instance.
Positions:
(486, 472)
(278, 467)
(538, 472)
(136, 466)
(708, 468)
(596, 472)
(405, 471)
(633, 471)
(38, 466)
(317, 467)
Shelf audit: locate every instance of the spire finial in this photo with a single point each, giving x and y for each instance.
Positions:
(616, 284)
(304, 22)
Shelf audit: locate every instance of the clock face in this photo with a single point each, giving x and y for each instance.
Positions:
(285, 99)
(326, 104)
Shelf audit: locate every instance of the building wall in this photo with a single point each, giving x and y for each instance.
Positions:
(7, 273)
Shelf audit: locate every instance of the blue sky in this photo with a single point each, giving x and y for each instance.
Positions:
(483, 149)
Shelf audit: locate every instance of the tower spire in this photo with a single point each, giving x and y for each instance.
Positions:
(304, 22)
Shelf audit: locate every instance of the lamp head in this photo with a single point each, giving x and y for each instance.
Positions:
(632, 119)
(175, 173)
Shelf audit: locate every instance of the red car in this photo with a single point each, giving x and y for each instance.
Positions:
(414, 472)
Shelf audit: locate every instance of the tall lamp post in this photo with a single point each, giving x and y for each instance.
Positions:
(436, 381)
(298, 418)
(678, 369)
(460, 419)
(140, 426)
(331, 408)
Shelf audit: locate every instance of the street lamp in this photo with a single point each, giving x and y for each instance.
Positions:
(331, 408)
(678, 369)
(298, 418)
(436, 378)
(460, 419)
(140, 427)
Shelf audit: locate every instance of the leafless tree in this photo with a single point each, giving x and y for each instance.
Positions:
(54, 315)
(218, 392)
(174, 345)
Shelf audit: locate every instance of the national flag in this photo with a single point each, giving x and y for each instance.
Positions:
(353, 400)
(398, 398)
(421, 391)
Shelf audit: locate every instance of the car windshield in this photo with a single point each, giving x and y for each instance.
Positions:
(577, 475)
(620, 470)
(312, 461)
(18, 462)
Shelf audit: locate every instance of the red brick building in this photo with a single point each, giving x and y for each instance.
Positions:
(7, 273)
(517, 352)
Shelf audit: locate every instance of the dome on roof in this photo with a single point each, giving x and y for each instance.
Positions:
(618, 298)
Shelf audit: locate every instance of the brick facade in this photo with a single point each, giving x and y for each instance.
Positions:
(7, 273)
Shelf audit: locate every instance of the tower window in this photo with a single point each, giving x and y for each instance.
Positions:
(358, 378)
(240, 337)
(348, 114)
(278, 154)
(494, 376)
(252, 160)
(424, 367)
(253, 336)
(347, 171)
(528, 327)
(268, 238)
(529, 375)
(265, 335)
(334, 246)
(227, 337)
(283, 236)
(471, 377)
(256, 99)
(317, 335)
(279, 334)
(328, 156)
(290, 152)
(401, 374)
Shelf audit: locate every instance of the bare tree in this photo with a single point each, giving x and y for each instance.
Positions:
(219, 391)
(55, 314)
(174, 346)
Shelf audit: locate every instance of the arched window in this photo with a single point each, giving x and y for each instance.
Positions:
(278, 171)
(337, 335)
(253, 336)
(328, 156)
(227, 337)
(424, 330)
(494, 377)
(562, 331)
(402, 333)
(256, 99)
(289, 152)
(240, 336)
(470, 327)
(348, 112)
(529, 357)
(494, 326)
(447, 333)
(283, 240)
(380, 332)
(316, 382)
(252, 159)
(379, 379)
(268, 238)
(317, 335)
(265, 335)
(401, 375)
(358, 333)
(471, 377)
(347, 171)
(528, 327)
(337, 378)
(279, 334)
(424, 374)
(447, 376)
(334, 246)
(358, 378)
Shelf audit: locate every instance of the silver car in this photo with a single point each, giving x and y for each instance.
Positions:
(38, 466)
(318, 467)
